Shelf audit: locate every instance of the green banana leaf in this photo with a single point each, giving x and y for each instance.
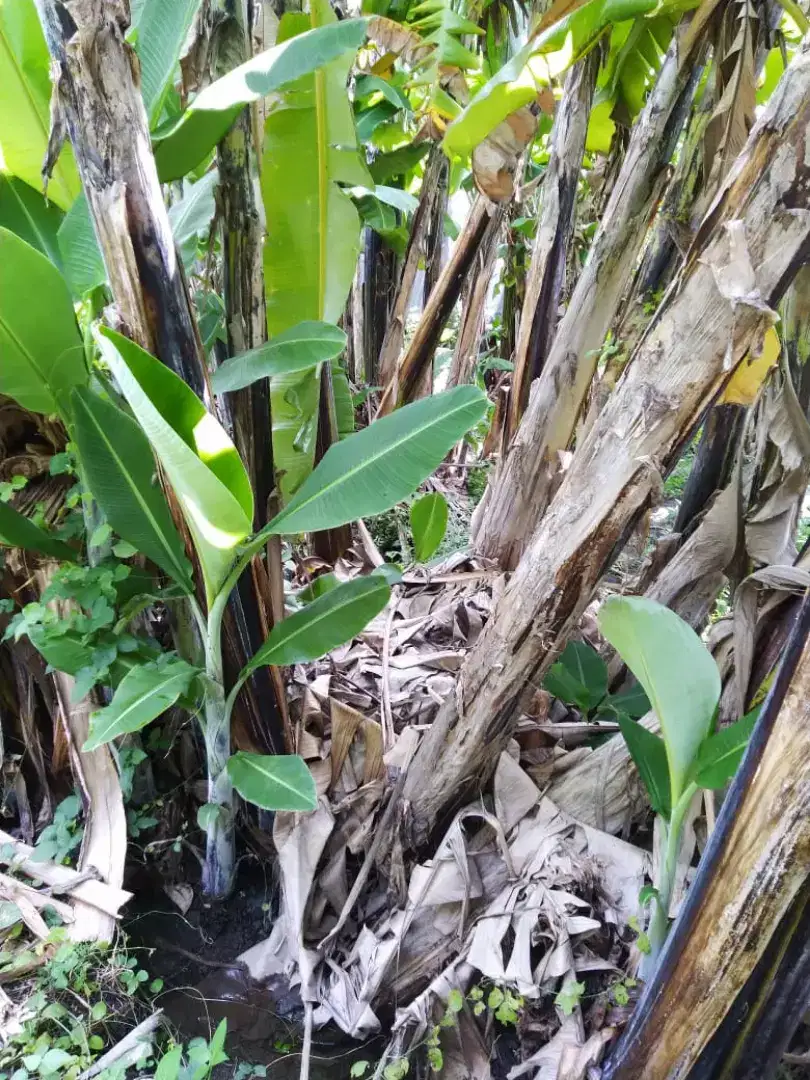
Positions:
(163, 27)
(26, 212)
(543, 58)
(25, 104)
(313, 235)
(198, 458)
(41, 351)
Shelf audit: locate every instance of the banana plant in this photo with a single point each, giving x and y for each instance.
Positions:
(161, 425)
(365, 474)
(682, 682)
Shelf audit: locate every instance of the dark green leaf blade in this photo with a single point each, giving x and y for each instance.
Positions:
(722, 752)
(632, 702)
(119, 466)
(142, 695)
(281, 782)
(376, 468)
(297, 349)
(650, 756)
(24, 211)
(428, 525)
(329, 621)
(579, 677)
(17, 531)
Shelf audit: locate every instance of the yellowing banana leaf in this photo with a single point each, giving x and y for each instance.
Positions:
(25, 96)
(313, 231)
(745, 383)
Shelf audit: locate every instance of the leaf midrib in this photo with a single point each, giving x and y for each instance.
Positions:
(327, 613)
(155, 691)
(345, 477)
(182, 579)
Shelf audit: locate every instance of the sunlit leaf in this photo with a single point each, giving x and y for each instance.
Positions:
(25, 103)
(42, 353)
(198, 458)
(182, 144)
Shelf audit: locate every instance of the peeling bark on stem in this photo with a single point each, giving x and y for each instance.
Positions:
(395, 331)
(555, 227)
(521, 490)
(484, 217)
(753, 242)
(96, 78)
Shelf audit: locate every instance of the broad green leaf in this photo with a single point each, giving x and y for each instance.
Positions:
(391, 196)
(64, 652)
(24, 211)
(332, 619)
(170, 1063)
(676, 670)
(200, 461)
(42, 352)
(632, 702)
(142, 695)
(428, 525)
(273, 782)
(81, 255)
(192, 215)
(650, 756)
(542, 59)
(16, 530)
(579, 677)
(119, 468)
(183, 143)
(721, 754)
(25, 103)
(376, 468)
(163, 27)
(294, 350)
(313, 228)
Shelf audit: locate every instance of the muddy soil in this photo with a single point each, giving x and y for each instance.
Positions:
(195, 956)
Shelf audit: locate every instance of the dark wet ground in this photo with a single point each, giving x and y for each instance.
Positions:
(194, 954)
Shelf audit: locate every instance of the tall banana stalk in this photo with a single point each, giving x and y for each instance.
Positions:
(754, 235)
(555, 226)
(523, 486)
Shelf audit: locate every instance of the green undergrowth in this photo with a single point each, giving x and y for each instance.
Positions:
(70, 1004)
